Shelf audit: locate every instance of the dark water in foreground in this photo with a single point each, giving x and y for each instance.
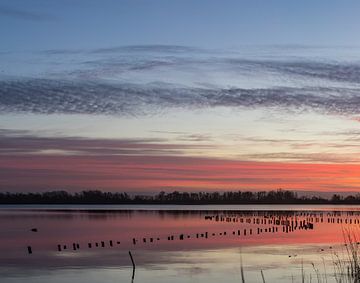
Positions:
(170, 243)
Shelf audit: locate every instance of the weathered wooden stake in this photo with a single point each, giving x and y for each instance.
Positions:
(133, 264)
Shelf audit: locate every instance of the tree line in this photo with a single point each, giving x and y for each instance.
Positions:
(230, 197)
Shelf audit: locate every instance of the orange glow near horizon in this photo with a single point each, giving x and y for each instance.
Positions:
(155, 173)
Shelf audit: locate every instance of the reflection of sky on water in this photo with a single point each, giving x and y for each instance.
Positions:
(186, 266)
(195, 259)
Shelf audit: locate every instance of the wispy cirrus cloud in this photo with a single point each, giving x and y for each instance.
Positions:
(153, 48)
(25, 15)
(157, 48)
(303, 157)
(24, 143)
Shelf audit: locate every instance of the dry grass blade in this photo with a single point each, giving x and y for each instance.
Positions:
(262, 276)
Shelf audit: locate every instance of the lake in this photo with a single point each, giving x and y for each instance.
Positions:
(172, 243)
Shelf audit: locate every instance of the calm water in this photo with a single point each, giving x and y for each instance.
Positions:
(170, 243)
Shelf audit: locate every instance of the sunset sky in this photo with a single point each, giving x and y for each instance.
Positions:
(144, 96)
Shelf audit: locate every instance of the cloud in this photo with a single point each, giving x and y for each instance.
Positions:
(119, 59)
(23, 143)
(157, 48)
(339, 71)
(32, 162)
(332, 158)
(195, 137)
(165, 172)
(137, 49)
(46, 96)
(147, 79)
(25, 15)
(334, 72)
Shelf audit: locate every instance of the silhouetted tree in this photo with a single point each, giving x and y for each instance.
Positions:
(176, 197)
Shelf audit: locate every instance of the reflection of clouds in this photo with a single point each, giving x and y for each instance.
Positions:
(208, 264)
(192, 271)
(152, 260)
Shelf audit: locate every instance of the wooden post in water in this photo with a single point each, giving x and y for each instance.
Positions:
(133, 264)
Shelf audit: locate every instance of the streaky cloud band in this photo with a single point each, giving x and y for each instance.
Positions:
(47, 96)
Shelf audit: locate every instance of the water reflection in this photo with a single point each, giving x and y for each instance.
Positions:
(181, 243)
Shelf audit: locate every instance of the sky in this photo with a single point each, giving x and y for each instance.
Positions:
(145, 96)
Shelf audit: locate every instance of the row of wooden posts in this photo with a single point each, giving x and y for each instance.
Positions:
(181, 237)
(302, 224)
(271, 219)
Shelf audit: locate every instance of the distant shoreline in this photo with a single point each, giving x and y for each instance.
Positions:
(278, 197)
